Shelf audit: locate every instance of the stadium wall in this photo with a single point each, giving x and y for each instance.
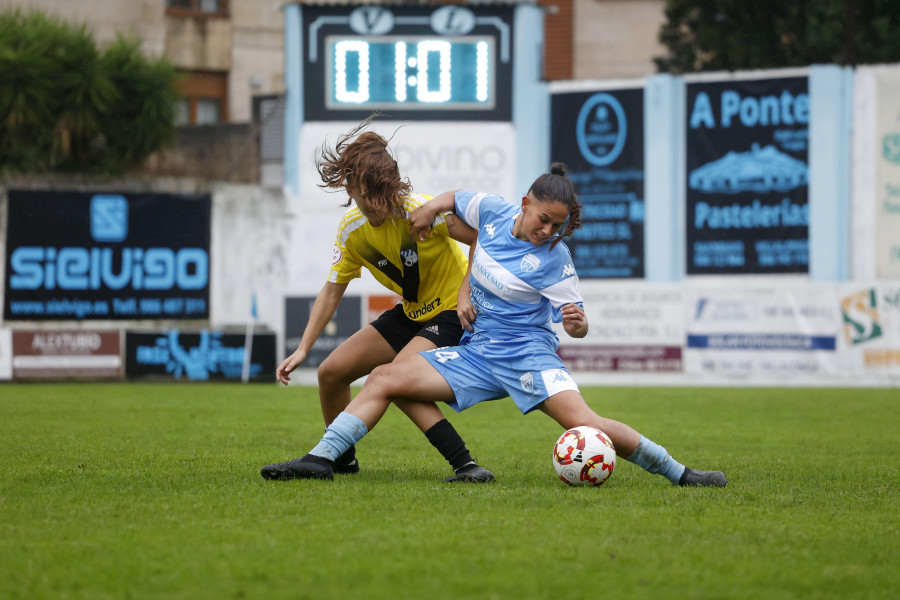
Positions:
(834, 321)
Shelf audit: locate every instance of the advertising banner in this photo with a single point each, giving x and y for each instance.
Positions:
(871, 328)
(436, 157)
(633, 328)
(770, 334)
(887, 185)
(747, 176)
(600, 137)
(82, 256)
(347, 320)
(198, 356)
(74, 353)
(5, 354)
(379, 304)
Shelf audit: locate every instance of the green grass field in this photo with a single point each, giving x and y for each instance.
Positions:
(153, 491)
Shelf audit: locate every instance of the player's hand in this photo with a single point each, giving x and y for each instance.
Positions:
(282, 373)
(421, 221)
(466, 312)
(574, 320)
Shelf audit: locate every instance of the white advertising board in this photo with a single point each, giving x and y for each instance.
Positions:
(633, 328)
(6, 352)
(771, 334)
(887, 182)
(870, 336)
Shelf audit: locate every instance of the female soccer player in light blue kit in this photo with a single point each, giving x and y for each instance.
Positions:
(521, 279)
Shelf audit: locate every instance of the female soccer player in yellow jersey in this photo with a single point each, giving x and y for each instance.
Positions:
(428, 273)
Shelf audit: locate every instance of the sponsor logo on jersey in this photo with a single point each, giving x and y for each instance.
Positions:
(561, 376)
(557, 380)
(530, 262)
(426, 308)
(336, 256)
(477, 296)
(382, 263)
(568, 270)
(489, 276)
(410, 257)
(527, 383)
(490, 229)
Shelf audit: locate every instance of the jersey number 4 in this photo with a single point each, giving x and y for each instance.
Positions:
(443, 356)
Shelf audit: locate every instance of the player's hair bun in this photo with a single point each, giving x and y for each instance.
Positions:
(558, 168)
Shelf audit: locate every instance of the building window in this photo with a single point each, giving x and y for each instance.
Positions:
(195, 8)
(204, 98)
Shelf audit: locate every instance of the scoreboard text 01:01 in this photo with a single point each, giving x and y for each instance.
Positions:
(413, 63)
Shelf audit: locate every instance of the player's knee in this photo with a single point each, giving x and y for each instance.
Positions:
(381, 373)
(387, 377)
(330, 373)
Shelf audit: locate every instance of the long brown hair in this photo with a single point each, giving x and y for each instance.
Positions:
(361, 161)
(555, 186)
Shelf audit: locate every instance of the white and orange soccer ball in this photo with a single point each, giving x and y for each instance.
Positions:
(584, 456)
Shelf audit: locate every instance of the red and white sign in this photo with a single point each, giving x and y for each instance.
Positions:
(633, 328)
(76, 353)
(5, 354)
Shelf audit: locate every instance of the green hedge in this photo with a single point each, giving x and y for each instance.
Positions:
(67, 105)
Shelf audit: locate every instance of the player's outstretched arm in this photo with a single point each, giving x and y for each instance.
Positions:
(322, 311)
(422, 219)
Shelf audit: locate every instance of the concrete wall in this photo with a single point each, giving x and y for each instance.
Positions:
(225, 152)
(616, 38)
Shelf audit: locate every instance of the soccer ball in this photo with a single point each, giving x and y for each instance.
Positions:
(584, 456)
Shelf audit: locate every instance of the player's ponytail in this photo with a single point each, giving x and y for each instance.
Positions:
(557, 187)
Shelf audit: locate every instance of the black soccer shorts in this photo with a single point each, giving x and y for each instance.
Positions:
(394, 326)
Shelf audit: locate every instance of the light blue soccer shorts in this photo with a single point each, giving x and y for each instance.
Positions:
(527, 371)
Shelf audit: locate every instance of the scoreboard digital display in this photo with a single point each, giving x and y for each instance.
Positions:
(413, 63)
(410, 73)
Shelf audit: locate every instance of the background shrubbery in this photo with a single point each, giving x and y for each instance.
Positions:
(712, 35)
(67, 105)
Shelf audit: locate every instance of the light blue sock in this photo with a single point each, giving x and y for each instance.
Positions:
(343, 432)
(653, 458)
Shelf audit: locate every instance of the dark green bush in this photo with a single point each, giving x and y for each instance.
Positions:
(66, 105)
(718, 35)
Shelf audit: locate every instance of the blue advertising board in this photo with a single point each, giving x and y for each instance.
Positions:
(82, 256)
(747, 206)
(600, 137)
(198, 356)
(346, 321)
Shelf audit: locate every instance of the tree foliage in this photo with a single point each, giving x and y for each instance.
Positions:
(727, 35)
(66, 105)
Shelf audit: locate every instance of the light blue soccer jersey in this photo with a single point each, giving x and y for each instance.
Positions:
(517, 287)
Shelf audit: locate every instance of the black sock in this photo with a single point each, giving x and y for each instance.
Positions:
(347, 457)
(317, 460)
(444, 437)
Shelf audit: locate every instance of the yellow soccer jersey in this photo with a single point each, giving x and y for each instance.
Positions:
(426, 274)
